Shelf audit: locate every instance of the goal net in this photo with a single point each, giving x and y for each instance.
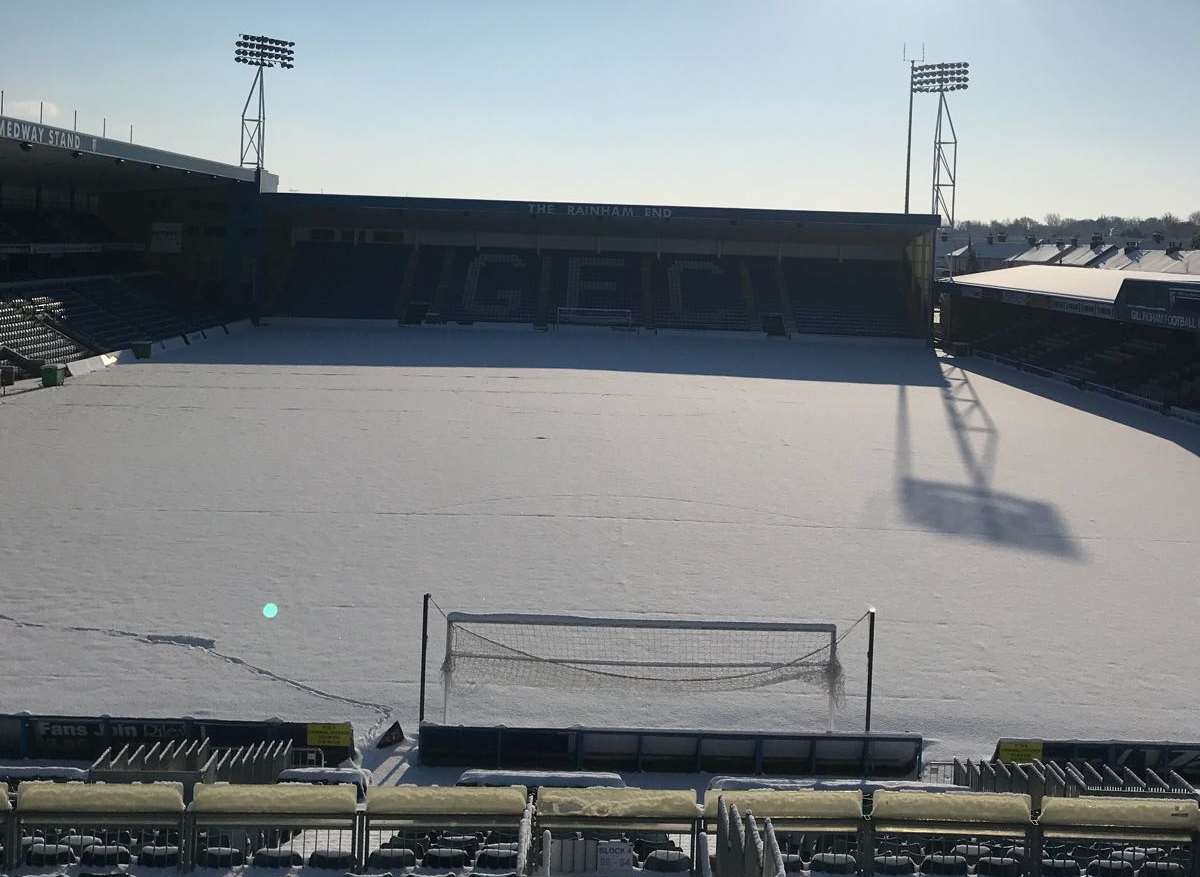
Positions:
(618, 318)
(648, 654)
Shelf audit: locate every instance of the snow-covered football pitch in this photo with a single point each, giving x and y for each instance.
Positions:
(1033, 551)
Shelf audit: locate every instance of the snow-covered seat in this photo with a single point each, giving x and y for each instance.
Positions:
(388, 858)
(158, 856)
(1110, 868)
(220, 857)
(496, 860)
(998, 866)
(668, 862)
(1060, 868)
(950, 865)
(445, 858)
(833, 863)
(40, 855)
(275, 857)
(105, 856)
(895, 865)
(332, 860)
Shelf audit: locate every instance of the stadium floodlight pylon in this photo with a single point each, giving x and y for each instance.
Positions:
(639, 654)
(937, 79)
(260, 52)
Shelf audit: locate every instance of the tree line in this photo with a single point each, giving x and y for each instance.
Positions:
(1111, 228)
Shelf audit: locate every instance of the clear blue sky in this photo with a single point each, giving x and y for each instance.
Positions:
(1075, 107)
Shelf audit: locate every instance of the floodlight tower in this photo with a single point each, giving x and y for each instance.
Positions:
(939, 79)
(260, 52)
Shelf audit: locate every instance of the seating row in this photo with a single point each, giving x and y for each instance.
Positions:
(594, 829)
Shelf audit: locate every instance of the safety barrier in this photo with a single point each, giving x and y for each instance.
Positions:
(1070, 779)
(447, 828)
(606, 829)
(743, 833)
(273, 826)
(9, 838)
(98, 826)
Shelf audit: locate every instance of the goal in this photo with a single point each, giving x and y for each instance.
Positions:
(568, 651)
(617, 318)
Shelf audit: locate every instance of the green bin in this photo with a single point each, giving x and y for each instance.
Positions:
(53, 374)
(141, 349)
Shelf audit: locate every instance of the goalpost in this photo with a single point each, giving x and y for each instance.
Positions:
(567, 651)
(617, 318)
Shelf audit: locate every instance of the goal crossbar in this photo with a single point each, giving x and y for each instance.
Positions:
(656, 623)
(616, 317)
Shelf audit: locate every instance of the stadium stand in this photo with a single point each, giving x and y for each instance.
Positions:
(66, 319)
(31, 340)
(1155, 364)
(584, 830)
(345, 280)
(845, 298)
(1132, 335)
(342, 280)
(435, 259)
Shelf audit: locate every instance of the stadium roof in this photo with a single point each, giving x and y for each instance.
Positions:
(30, 152)
(1056, 280)
(608, 219)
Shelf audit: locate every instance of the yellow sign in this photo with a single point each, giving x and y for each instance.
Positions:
(1021, 751)
(340, 734)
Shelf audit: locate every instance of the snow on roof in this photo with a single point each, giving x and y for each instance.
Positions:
(1058, 280)
(1116, 258)
(1163, 813)
(778, 804)
(51, 797)
(570, 779)
(1086, 255)
(992, 807)
(1187, 262)
(291, 799)
(995, 250)
(619, 803)
(446, 800)
(1155, 260)
(1042, 254)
